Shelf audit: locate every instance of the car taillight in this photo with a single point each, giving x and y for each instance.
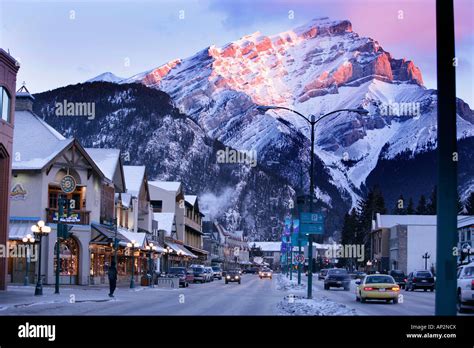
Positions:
(405, 280)
(368, 289)
(472, 284)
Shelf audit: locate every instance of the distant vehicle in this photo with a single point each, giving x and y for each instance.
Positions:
(252, 270)
(217, 272)
(209, 273)
(232, 276)
(465, 287)
(200, 275)
(322, 274)
(337, 278)
(360, 275)
(182, 273)
(420, 280)
(400, 277)
(266, 273)
(377, 287)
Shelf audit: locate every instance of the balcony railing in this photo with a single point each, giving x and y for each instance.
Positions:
(77, 217)
(194, 225)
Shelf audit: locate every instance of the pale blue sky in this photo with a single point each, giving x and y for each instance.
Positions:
(64, 42)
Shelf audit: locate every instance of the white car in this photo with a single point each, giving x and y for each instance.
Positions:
(465, 287)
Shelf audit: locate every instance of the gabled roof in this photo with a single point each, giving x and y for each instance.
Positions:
(108, 160)
(38, 145)
(173, 186)
(35, 143)
(134, 178)
(190, 199)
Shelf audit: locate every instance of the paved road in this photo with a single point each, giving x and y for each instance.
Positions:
(253, 297)
(414, 303)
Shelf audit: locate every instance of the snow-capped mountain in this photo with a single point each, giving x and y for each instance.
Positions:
(106, 77)
(316, 68)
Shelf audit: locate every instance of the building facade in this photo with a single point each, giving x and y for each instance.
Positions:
(8, 71)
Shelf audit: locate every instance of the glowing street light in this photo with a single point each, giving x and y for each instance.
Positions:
(40, 230)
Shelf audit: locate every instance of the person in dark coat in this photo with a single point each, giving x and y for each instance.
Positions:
(112, 273)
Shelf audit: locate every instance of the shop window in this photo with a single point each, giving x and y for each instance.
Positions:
(5, 102)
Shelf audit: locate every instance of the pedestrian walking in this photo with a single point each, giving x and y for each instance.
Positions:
(112, 273)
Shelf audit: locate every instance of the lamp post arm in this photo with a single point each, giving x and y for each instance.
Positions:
(291, 110)
(336, 111)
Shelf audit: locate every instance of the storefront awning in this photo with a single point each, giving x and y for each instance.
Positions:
(197, 250)
(19, 229)
(179, 248)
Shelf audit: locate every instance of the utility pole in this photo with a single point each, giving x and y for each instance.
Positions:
(446, 236)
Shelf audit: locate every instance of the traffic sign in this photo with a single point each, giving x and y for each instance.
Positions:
(312, 229)
(311, 218)
(299, 258)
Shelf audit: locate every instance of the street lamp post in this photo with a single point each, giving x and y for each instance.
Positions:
(28, 240)
(312, 121)
(426, 256)
(167, 251)
(40, 230)
(150, 248)
(133, 245)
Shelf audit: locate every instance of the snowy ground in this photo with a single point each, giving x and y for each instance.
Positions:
(295, 303)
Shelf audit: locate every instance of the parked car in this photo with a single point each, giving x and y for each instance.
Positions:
(420, 280)
(337, 278)
(232, 276)
(265, 273)
(185, 276)
(322, 274)
(377, 287)
(400, 277)
(217, 272)
(209, 273)
(465, 287)
(200, 275)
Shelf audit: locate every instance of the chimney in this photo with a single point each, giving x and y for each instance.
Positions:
(24, 100)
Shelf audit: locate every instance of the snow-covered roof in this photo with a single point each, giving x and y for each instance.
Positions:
(190, 199)
(179, 248)
(465, 221)
(126, 199)
(166, 185)
(134, 176)
(139, 237)
(35, 143)
(388, 221)
(165, 222)
(106, 159)
(266, 246)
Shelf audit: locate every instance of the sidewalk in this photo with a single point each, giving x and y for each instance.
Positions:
(19, 296)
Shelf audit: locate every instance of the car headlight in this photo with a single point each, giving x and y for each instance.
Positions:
(236, 277)
(228, 277)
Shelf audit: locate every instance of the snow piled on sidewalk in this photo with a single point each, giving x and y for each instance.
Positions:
(285, 284)
(299, 305)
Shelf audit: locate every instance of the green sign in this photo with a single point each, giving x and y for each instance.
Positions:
(311, 218)
(311, 229)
